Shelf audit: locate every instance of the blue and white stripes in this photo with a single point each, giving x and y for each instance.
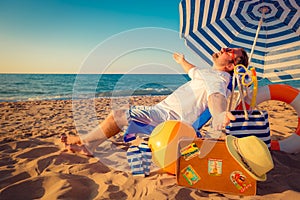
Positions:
(139, 159)
(208, 25)
(257, 125)
(146, 157)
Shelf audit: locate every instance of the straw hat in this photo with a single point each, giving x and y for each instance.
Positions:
(252, 154)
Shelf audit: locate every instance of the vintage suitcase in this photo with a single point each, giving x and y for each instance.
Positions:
(217, 171)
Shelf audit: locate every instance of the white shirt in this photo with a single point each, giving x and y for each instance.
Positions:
(191, 99)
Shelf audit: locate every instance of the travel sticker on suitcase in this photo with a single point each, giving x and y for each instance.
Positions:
(190, 175)
(190, 151)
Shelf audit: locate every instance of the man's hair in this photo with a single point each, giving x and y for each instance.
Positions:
(243, 59)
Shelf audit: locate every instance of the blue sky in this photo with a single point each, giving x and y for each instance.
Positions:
(58, 36)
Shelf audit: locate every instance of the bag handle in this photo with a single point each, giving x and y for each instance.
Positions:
(232, 93)
(240, 75)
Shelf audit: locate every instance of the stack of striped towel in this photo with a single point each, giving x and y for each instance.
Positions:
(139, 158)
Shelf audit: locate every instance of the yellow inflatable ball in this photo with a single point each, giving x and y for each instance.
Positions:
(164, 140)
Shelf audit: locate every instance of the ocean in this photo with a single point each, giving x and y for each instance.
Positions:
(31, 87)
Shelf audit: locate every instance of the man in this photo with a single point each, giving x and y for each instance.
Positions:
(207, 88)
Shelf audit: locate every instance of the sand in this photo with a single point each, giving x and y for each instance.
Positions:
(34, 166)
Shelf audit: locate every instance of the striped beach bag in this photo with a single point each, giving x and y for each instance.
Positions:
(248, 122)
(257, 124)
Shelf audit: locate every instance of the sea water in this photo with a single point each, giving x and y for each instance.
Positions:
(30, 87)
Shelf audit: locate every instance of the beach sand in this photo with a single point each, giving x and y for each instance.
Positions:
(33, 165)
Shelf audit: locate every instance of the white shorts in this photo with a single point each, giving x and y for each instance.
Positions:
(147, 115)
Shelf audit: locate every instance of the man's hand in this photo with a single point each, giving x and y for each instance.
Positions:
(179, 58)
(229, 116)
(222, 120)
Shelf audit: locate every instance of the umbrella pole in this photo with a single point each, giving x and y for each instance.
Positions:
(263, 10)
(255, 39)
(253, 100)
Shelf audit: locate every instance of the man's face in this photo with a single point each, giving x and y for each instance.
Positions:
(225, 58)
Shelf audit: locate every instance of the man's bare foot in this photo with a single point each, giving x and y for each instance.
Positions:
(70, 139)
(74, 144)
(81, 149)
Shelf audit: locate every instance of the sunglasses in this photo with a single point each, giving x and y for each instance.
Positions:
(230, 50)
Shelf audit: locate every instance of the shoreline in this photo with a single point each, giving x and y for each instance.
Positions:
(84, 98)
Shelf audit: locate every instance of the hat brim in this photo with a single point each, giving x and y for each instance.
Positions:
(230, 146)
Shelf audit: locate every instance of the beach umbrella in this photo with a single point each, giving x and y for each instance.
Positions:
(267, 29)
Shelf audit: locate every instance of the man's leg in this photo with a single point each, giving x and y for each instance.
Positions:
(86, 144)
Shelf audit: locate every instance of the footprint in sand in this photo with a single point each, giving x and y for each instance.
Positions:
(8, 179)
(38, 152)
(61, 186)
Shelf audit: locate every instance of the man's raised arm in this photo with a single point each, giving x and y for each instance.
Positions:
(179, 58)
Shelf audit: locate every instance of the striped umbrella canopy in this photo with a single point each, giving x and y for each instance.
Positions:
(267, 29)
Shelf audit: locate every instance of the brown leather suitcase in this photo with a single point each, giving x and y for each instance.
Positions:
(209, 166)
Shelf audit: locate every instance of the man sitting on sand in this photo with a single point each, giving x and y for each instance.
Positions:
(207, 88)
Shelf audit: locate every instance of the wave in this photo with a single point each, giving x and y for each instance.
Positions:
(85, 95)
(33, 87)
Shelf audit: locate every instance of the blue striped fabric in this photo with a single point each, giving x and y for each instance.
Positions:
(257, 125)
(208, 25)
(146, 158)
(134, 158)
(139, 159)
